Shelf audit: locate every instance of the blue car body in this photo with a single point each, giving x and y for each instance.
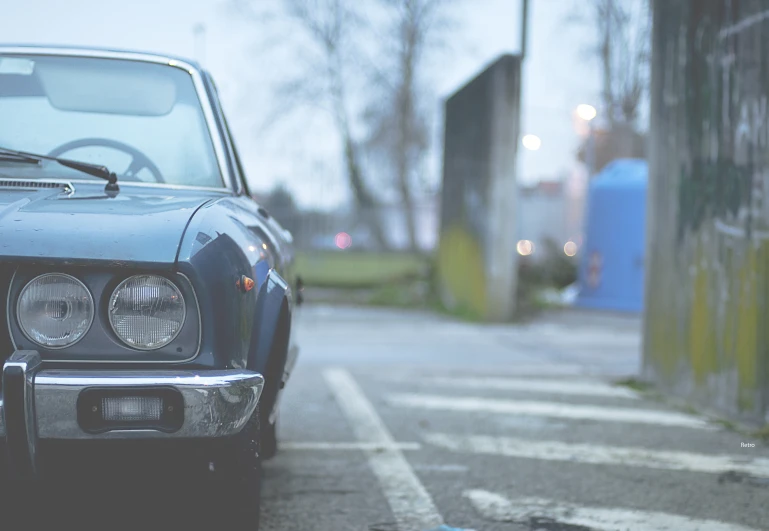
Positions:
(212, 242)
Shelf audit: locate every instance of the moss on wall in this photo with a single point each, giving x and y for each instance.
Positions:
(707, 290)
(461, 271)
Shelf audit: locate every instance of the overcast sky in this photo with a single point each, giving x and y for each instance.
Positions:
(303, 152)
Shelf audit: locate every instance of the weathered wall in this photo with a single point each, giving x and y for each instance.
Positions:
(707, 286)
(476, 256)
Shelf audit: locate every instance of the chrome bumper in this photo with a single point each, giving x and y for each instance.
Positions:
(42, 404)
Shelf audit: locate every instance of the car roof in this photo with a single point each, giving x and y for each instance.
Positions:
(97, 51)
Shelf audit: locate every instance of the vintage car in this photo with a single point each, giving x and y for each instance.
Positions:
(145, 294)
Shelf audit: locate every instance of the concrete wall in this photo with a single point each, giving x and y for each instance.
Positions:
(707, 285)
(476, 256)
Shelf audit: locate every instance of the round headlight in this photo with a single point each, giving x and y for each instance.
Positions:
(55, 310)
(147, 311)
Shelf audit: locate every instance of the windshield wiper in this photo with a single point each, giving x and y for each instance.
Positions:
(102, 172)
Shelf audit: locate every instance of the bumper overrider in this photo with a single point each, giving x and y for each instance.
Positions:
(72, 404)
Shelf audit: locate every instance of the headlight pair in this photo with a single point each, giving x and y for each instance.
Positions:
(146, 312)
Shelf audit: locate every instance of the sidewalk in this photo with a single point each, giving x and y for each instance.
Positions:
(570, 341)
(577, 317)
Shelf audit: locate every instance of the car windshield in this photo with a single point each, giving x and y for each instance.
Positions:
(142, 120)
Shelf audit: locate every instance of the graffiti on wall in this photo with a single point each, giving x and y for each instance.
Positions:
(708, 284)
(725, 179)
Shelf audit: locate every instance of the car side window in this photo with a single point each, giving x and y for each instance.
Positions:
(238, 164)
(229, 140)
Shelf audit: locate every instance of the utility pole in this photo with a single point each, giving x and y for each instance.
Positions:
(524, 26)
(522, 53)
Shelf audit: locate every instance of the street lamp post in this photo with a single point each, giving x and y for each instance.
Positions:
(588, 113)
(524, 26)
(590, 150)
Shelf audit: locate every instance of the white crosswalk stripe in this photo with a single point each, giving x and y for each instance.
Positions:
(409, 501)
(496, 507)
(597, 454)
(547, 409)
(534, 385)
(572, 397)
(359, 446)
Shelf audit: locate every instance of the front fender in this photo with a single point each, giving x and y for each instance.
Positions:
(218, 248)
(273, 317)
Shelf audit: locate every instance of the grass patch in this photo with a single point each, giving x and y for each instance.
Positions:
(726, 424)
(343, 269)
(635, 384)
(762, 434)
(400, 295)
(409, 280)
(461, 312)
(714, 418)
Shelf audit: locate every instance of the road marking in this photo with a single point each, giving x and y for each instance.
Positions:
(359, 446)
(527, 510)
(548, 409)
(409, 501)
(595, 454)
(519, 370)
(443, 468)
(566, 387)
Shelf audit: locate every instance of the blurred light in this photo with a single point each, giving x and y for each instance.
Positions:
(531, 142)
(264, 246)
(570, 248)
(586, 112)
(251, 248)
(343, 240)
(525, 247)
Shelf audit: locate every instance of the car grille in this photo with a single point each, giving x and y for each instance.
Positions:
(6, 347)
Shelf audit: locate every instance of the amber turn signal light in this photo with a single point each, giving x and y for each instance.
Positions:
(245, 284)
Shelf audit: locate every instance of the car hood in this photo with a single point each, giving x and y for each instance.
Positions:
(138, 226)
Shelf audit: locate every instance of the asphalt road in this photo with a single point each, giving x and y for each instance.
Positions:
(407, 421)
(398, 420)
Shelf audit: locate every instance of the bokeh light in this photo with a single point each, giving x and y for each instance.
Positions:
(343, 240)
(525, 247)
(531, 142)
(586, 112)
(570, 248)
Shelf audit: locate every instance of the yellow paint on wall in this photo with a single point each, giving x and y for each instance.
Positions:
(663, 346)
(746, 340)
(702, 326)
(461, 270)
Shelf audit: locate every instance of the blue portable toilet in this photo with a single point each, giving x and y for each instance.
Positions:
(611, 266)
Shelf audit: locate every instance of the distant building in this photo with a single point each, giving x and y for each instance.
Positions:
(544, 217)
(548, 215)
(542, 220)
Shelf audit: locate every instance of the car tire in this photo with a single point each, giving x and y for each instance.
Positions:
(272, 387)
(269, 441)
(238, 476)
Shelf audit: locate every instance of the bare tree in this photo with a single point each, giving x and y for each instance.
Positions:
(327, 31)
(363, 61)
(623, 48)
(400, 129)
